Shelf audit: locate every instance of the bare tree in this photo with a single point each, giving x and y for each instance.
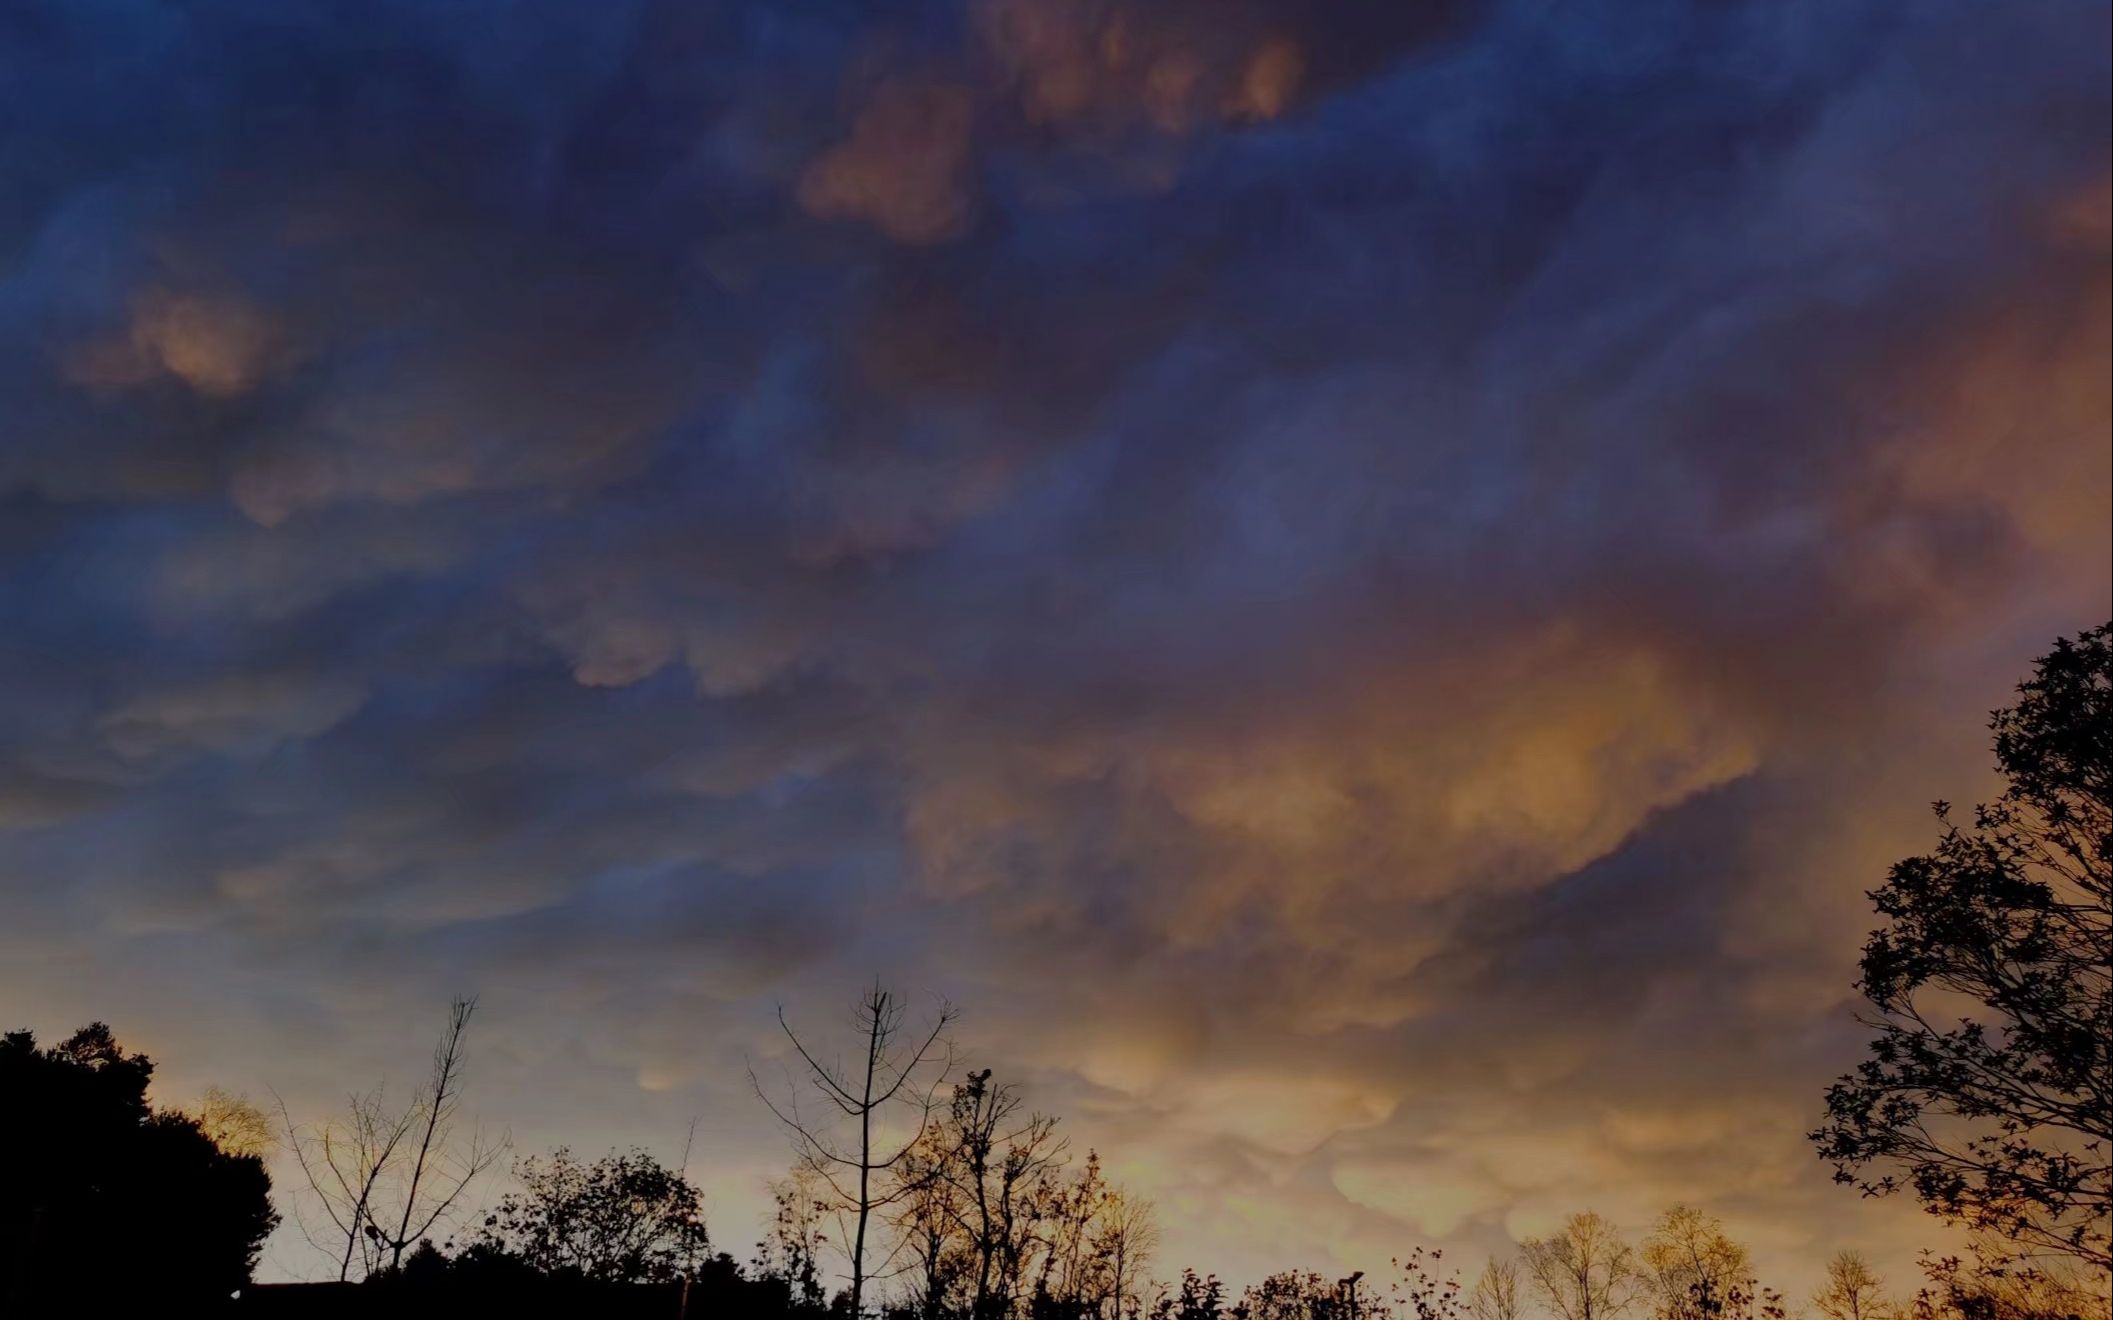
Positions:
(440, 1169)
(1128, 1234)
(1427, 1291)
(384, 1176)
(996, 1163)
(791, 1250)
(1584, 1271)
(993, 1224)
(235, 1123)
(344, 1159)
(1496, 1292)
(926, 1223)
(1690, 1267)
(894, 1073)
(1852, 1291)
(1073, 1273)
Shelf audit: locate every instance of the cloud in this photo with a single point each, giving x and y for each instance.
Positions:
(245, 715)
(1367, 586)
(1122, 84)
(31, 801)
(903, 167)
(1083, 65)
(216, 346)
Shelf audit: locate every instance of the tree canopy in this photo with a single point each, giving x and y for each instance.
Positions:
(1986, 1088)
(626, 1218)
(97, 1179)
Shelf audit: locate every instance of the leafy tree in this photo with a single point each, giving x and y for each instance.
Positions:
(1975, 1289)
(1424, 1292)
(1199, 1298)
(1996, 1114)
(1072, 1278)
(1742, 1300)
(94, 1177)
(937, 1262)
(791, 1251)
(235, 1123)
(625, 1218)
(990, 1222)
(1690, 1266)
(1295, 1295)
(996, 1168)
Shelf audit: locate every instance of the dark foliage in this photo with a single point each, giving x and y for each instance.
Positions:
(1970, 1289)
(625, 1218)
(94, 1184)
(1292, 1295)
(1199, 1298)
(1999, 1119)
(790, 1253)
(1741, 1299)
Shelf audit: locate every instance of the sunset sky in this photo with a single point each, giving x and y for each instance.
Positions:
(1364, 585)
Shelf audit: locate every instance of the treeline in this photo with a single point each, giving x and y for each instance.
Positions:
(920, 1193)
(1013, 1232)
(1987, 1094)
(981, 1213)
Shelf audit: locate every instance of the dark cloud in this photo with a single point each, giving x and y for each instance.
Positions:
(1366, 584)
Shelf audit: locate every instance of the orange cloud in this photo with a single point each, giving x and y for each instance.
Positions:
(1088, 70)
(1102, 65)
(904, 168)
(1269, 82)
(217, 346)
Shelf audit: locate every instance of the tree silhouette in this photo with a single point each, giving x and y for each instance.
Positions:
(626, 1218)
(991, 1221)
(1296, 1295)
(1585, 1271)
(94, 1179)
(1689, 1265)
(2000, 1119)
(1496, 1292)
(1126, 1236)
(1975, 1289)
(385, 1175)
(994, 1165)
(1852, 1290)
(890, 1073)
(1424, 1292)
(937, 1260)
(1199, 1298)
(235, 1123)
(791, 1249)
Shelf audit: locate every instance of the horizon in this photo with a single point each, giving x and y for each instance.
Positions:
(1366, 589)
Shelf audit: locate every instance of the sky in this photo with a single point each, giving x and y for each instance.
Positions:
(1365, 586)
